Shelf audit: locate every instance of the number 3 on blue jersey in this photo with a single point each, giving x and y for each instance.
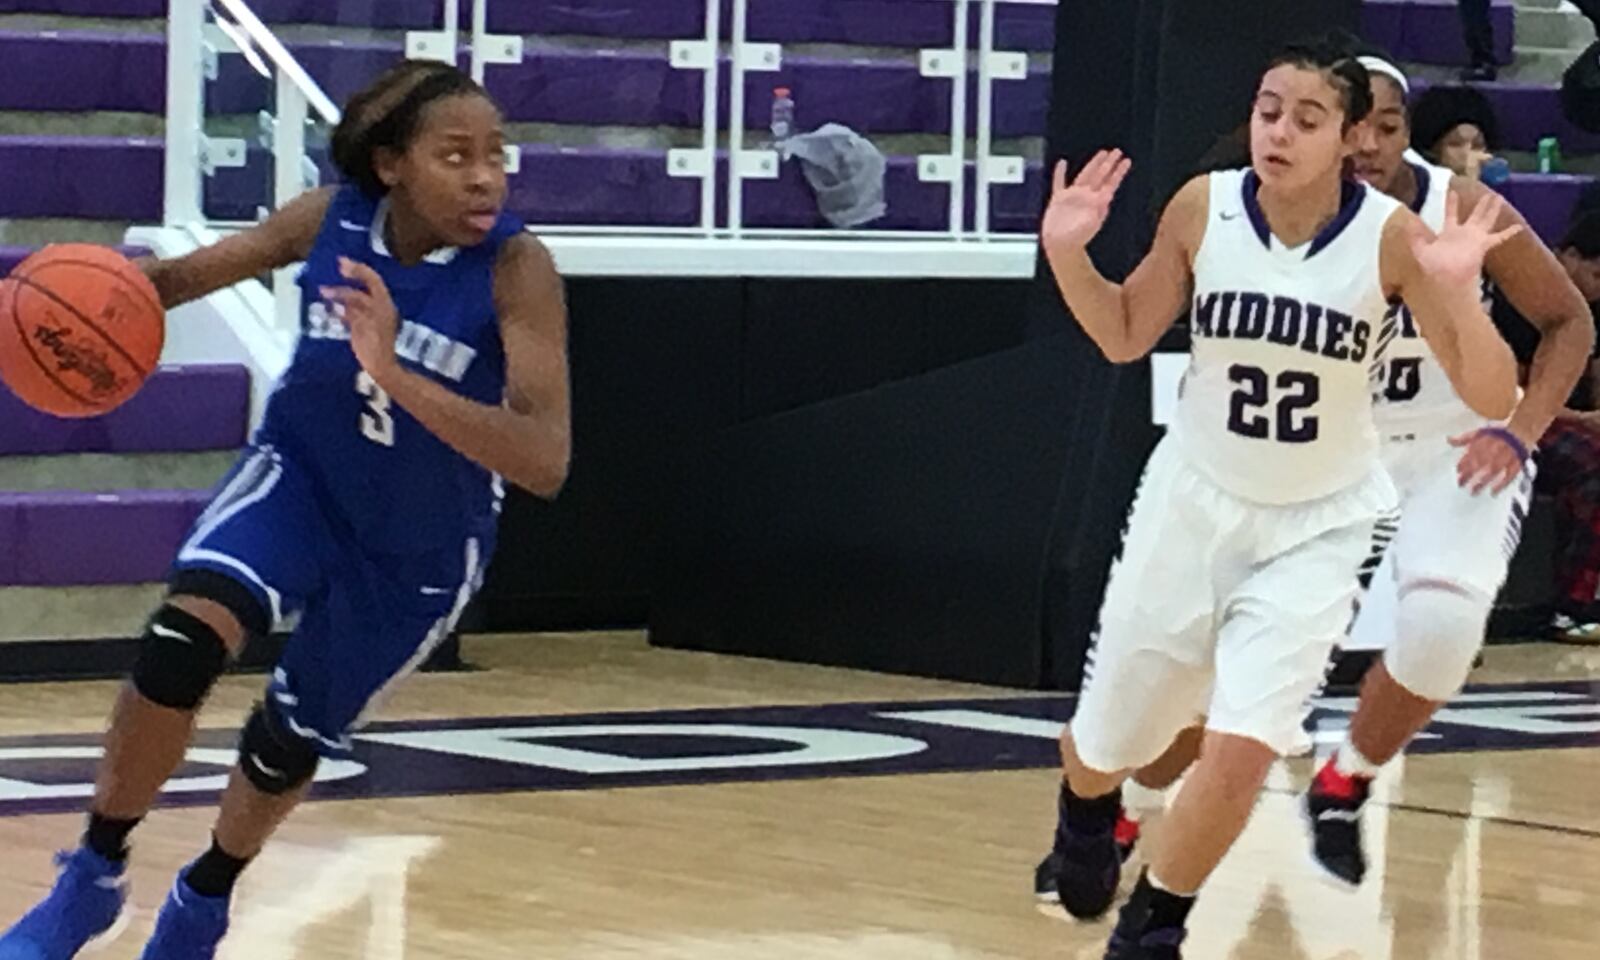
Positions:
(377, 423)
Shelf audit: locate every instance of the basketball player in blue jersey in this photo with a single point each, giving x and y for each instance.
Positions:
(431, 362)
(1240, 563)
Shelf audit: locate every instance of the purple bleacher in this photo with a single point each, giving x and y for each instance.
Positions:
(568, 185)
(10, 257)
(1546, 200)
(10, 521)
(106, 178)
(67, 538)
(576, 86)
(88, 8)
(1429, 31)
(180, 409)
(108, 71)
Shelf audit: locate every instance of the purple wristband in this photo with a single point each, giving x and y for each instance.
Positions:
(1509, 439)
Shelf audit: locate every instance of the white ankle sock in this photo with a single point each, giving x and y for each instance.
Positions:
(1140, 801)
(1350, 762)
(1155, 882)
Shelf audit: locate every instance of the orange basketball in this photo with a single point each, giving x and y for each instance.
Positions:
(81, 328)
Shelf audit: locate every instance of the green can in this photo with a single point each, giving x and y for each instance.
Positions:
(1549, 155)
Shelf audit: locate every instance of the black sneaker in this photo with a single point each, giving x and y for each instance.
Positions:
(1083, 867)
(1126, 834)
(1333, 808)
(1135, 939)
(1163, 944)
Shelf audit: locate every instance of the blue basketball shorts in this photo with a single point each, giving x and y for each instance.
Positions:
(366, 620)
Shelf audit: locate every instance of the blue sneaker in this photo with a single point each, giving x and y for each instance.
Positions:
(189, 926)
(84, 910)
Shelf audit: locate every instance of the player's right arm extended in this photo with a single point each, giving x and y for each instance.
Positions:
(1127, 319)
(282, 239)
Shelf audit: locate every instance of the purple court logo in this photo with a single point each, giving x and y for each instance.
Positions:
(598, 751)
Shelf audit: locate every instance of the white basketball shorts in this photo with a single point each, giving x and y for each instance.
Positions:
(1220, 607)
(1445, 533)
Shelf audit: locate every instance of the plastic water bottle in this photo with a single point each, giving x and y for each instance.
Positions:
(1549, 155)
(782, 115)
(1495, 171)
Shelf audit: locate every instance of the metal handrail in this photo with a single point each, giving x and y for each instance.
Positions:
(281, 58)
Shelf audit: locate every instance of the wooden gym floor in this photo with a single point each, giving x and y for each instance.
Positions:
(1487, 848)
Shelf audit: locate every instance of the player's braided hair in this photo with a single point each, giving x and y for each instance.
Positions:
(1333, 57)
(387, 114)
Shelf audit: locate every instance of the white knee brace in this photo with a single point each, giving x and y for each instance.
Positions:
(1438, 634)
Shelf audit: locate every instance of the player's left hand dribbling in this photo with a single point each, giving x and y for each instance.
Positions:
(1487, 462)
(370, 314)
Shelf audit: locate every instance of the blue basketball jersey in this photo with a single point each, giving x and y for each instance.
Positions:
(382, 477)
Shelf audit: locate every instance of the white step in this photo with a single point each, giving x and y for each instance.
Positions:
(69, 613)
(1562, 29)
(97, 472)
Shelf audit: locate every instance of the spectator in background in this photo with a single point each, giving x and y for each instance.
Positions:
(1569, 453)
(1479, 33)
(1455, 127)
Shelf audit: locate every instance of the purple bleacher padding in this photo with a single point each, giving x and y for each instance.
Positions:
(636, 88)
(180, 409)
(1429, 31)
(896, 23)
(10, 520)
(1546, 200)
(88, 8)
(63, 538)
(407, 14)
(636, 19)
(103, 178)
(631, 187)
(106, 71)
(10, 257)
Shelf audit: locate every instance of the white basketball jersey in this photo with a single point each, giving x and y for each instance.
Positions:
(1415, 395)
(1276, 406)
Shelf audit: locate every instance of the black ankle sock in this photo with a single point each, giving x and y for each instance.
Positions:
(215, 873)
(108, 837)
(1092, 815)
(1167, 909)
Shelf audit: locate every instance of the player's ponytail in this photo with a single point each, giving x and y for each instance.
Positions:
(386, 115)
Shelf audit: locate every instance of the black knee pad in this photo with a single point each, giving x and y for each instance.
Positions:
(272, 757)
(180, 658)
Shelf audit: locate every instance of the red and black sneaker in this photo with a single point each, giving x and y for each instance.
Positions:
(1333, 808)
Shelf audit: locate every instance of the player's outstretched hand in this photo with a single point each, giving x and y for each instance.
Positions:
(1078, 211)
(1489, 460)
(1455, 256)
(370, 314)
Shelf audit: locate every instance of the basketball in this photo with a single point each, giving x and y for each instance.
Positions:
(81, 328)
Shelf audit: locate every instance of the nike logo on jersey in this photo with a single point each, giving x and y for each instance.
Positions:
(161, 631)
(436, 591)
(1231, 216)
(1245, 315)
(352, 227)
